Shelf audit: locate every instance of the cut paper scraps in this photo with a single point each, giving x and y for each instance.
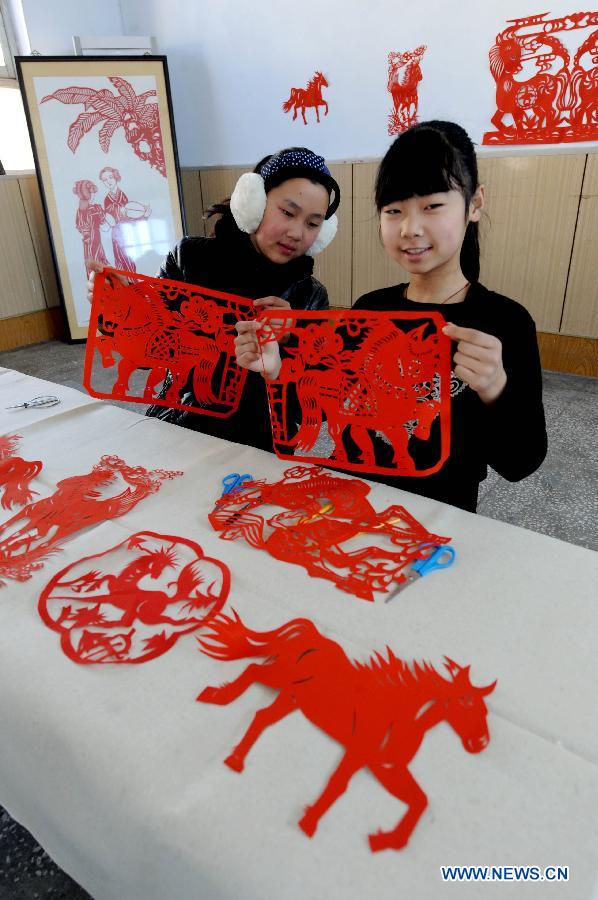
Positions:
(380, 381)
(404, 76)
(328, 526)
(132, 602)
(179, 336)
(39, 529)
(310, 96)
(379, 711)
(16, 473)
(546, 74)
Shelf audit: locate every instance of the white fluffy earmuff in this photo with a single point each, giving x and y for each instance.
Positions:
(248, 202)
(326, 234)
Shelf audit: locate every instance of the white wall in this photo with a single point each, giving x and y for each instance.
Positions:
(52, 23)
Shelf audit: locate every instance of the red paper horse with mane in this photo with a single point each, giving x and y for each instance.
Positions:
(16, 473)
(310, 96)
(378, 711)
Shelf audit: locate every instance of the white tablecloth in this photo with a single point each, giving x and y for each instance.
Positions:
(118, 772)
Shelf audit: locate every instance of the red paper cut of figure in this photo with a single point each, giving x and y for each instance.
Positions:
(327, 526)
(301, 98)
(133, 602)
(378, 711)
(16, 473)
(90, 218)
(379, 381)
(404, 76)
(163, 327)
(39, 529)
(543, 96)
(118, 206)
(124, 109)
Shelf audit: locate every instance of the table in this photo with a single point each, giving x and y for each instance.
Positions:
(118, 772)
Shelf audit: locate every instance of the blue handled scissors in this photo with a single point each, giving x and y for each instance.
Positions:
(233, 481)
(441, 557)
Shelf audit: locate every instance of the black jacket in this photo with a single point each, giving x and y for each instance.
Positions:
(229, 262)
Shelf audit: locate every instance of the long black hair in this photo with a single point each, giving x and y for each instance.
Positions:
(430, 158)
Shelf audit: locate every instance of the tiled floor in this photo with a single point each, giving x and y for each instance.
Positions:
(561, 500)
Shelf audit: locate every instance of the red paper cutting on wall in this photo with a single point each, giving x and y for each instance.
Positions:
(380, 382)
(310, 96)
(38, 530)
(159, 326)
(16, 473)
(132, 602)
(404, 76)
(327, 526)
(378, 711)
(546, 86)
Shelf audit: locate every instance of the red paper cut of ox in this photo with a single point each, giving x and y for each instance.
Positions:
(362, 373)
(171, 331)
(327, 526)
(38, 530)
(310, 96)
(16, 473)
(378, 711)
(543, 96)
(404, 76)
(132, 602)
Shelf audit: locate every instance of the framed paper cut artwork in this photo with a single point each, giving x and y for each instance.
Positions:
(105, 151)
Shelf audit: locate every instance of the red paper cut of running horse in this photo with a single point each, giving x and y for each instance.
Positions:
(16, 473)
(124, 109)
(179, 336)
(404, 76)
(378, 711)
(133, 602)
(301, 98)
(39, 529)
(321, 513)
(380, 382)
(543, 95)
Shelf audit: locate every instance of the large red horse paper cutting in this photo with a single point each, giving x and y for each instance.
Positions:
(404, 76)
(178, 336)
(546, 74)
(16, 473)
(133, 602)
(378, 711)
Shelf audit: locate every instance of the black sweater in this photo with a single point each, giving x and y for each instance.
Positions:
(510, 434)
(229, 262)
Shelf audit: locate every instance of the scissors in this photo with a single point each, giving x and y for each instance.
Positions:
(233, 481)
(430, 563)
(36, 402)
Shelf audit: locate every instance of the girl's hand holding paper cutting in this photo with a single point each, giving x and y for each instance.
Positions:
(249, 355)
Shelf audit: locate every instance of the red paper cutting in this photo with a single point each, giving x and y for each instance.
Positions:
(301, 98)
(16, 473)
(378, 711)
(133, 602)
(374, 378)
(38, 530)
(404, 76)
(159, 326)
(543, 94)
(327, 526)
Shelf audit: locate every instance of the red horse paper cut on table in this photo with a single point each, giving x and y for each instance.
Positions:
(133, 602)
(404, 76)
(381, 381)
(124, 109)
(301, 98)
(40, 528)
(378, 711)
(180, 335)
(544, 95)
(16, 473)
(327, 526)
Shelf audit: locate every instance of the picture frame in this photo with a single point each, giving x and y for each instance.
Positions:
(104, 145)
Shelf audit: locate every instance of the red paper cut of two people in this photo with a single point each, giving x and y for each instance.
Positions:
(379, 380)
(132, 602)
(328, 526)
(38, 529)
(378, 711)
(16, 473)
(176, 335)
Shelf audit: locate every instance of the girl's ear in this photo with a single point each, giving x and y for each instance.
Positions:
(477, 204)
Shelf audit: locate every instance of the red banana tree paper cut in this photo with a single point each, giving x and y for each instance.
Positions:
(180, 337)
(132, 602)
(40, 528)
(380, 381)
(16, 473)
(379, 711)
(328, 526)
